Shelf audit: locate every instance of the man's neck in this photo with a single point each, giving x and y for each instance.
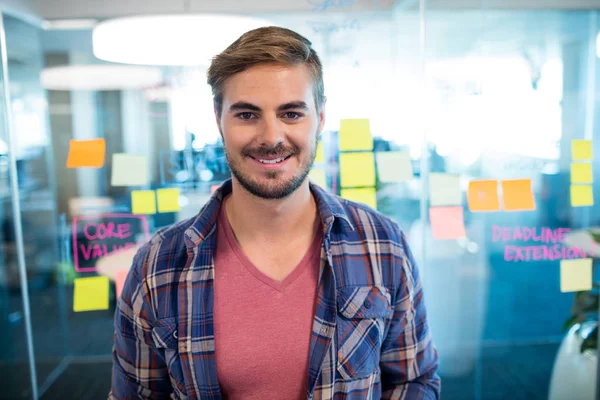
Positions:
(272, 220)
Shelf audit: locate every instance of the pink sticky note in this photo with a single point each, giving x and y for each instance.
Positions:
(447, 222)
(120, 280)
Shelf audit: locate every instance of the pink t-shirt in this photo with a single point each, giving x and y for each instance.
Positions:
(262, 326)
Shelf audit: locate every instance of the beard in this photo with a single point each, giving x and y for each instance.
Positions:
(271, 185)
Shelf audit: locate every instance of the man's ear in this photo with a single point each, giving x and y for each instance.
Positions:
(218, 120)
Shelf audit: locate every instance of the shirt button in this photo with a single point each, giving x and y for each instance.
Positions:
(367, 304)
(175, 334)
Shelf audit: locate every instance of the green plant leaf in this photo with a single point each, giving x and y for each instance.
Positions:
(590, 342)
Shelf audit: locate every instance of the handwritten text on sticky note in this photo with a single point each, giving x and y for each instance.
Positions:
(96, 236)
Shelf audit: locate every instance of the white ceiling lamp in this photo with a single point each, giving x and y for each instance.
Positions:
(99, 77)
(69, 24)
(174, 40)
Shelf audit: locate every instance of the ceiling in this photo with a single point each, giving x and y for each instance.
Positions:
(53, 9)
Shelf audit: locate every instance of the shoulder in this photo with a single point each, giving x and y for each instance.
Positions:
(369, 223)
(165, 252)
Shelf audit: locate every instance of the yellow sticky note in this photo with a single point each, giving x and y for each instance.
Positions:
(357, 169)
(129, 170)
(581, 149)
(575, 275)
(581, 173)
(319, 157)
(582, 195)
(317, 175)
(517, 195)
(363, 195)
(394, 166)
(444, 189)
(91, 294)
(168, 200)
(143, 202)
(86, 153)
(355, 134)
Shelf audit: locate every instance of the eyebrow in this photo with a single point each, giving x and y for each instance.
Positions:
(243, 105)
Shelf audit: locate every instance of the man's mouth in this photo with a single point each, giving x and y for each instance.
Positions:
(271, 160)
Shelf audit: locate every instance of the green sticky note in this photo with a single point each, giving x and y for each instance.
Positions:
(143, 202)
(581, 173)
(168, 200)
(355, 134)
(581, 149)
(129, 170)
(582, 196)
(91, 294)
(444, 189)
(366, 196)
(357, 169)
(576, 275)
(317, 175)
(394, 166)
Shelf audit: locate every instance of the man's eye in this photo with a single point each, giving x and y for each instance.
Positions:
(245, 115)
(292, 115)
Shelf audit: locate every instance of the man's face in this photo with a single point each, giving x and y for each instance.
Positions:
(270, 126)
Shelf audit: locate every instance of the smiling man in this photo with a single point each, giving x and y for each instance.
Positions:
(277, 289)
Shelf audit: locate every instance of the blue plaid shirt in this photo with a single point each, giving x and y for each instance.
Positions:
(370, 338)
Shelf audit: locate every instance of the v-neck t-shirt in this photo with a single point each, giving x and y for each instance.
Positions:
(262, 326)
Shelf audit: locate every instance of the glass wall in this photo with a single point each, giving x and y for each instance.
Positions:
(479, 121)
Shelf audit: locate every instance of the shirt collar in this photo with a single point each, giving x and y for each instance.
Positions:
(330, 208)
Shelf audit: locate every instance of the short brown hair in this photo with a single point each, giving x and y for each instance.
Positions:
(267, 45)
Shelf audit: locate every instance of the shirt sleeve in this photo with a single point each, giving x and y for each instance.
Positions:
(409, 359)
(139, 369)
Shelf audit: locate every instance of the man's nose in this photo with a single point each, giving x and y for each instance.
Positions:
(272, 132)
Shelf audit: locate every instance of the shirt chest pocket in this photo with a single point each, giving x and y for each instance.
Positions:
(166, 340)
(362, 315)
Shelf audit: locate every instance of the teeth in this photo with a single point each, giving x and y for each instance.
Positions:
(275, 161)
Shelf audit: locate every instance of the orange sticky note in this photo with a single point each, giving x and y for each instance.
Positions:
(447, 222)
(517, 195)
(483, 195)
(86, 153)
(120, 277)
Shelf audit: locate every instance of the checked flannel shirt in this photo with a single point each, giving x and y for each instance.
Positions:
(370, 337)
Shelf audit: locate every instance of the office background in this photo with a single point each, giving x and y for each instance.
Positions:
(495, 90)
